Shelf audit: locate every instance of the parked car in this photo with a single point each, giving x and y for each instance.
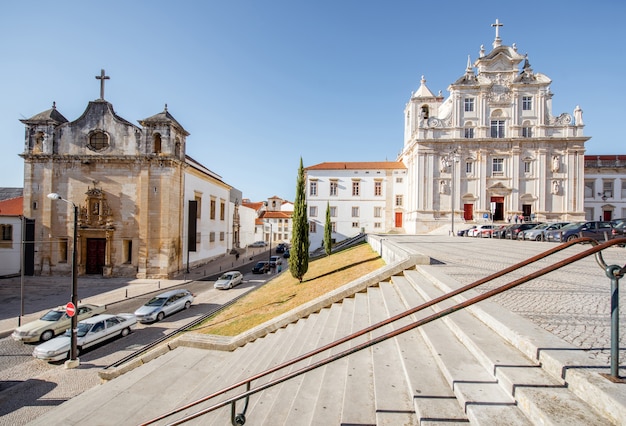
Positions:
(228, 280)
(261, 267)
(598, 230)
(513, 230)
(538, 233)
(164, 304)
(275, 261)
(500, 232)
(258, 244)
(281, 247)
(476, 232)
(619, 229)
(52, 323)
(486, 232)
(463, 232)
(286, 253)
(90, 332)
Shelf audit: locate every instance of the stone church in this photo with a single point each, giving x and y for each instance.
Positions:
(493, 149)
(145, 209)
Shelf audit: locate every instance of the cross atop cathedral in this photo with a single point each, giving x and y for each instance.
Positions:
(102, 77)
(497, 42)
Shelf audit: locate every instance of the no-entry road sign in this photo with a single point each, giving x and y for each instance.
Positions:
(70, 309)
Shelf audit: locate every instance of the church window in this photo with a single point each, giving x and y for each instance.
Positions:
(469, 133)
(356, 188)
(177, 148)
(333, 188)
(527, 132)
(7, 232)
(313, 187)
(527, 103)
(527, 168)
(468, 167)
(497, 128)
(469, 104)
(590, 188)
(399, 200)
(333, 211)
(355, 212)
(378, 211)
(607, 188)
(313, 211)
(212, 209)
(378, 188)
(98, 140)
(497, 166)
(424, 111)
(38, 142)
(312, 227)
(128, 251)
(156, 148)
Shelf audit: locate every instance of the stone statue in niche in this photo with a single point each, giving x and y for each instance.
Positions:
(444, 165)
(578, 116)
(442, 187)
(556, 163)
(555, 187)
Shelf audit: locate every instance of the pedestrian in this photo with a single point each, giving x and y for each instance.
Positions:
(508, 219)
(515, 218)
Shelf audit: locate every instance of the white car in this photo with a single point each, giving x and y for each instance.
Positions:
(90, 332)
(476, 232)
(258, 244)
(228, 280)
(164, 304)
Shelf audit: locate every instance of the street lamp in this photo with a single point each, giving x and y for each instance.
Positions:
(450, 159)
(73, 361)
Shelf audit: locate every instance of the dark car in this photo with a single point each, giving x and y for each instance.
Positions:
(619, 230)
(500, 232)
(261, 267)
(513, 230)
(598, 230)
(286, 253)
(463, 232)
(280, 248)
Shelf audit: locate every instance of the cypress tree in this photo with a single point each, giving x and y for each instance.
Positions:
(327, 232)
(299, 252)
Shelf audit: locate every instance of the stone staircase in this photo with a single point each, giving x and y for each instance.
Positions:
(482, 366)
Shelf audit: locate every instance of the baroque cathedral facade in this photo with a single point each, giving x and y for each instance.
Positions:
(493, 149)
(144, 208)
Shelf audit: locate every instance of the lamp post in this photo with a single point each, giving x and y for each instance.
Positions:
(73, 361)
(452, 158)
(269, 259)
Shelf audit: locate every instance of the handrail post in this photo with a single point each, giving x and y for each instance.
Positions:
(614, 272)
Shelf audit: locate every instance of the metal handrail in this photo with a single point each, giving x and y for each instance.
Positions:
(612, 271)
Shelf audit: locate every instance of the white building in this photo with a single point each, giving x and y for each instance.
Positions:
(605, 187)
(493, 148)
(362, 197)
(11, 236)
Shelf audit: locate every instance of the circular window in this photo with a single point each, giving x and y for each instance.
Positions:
(98, 141)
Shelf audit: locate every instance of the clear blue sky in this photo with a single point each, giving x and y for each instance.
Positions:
(259, 84)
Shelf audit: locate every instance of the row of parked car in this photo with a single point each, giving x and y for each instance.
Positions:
(549, 231)
(95, 326)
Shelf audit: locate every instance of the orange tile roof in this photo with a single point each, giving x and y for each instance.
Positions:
(12, 207)
(254, 206)
(358, 165)
(277, 215)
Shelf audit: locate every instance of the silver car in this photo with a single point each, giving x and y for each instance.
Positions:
(228, 280)
(164, 304)
(538, 233)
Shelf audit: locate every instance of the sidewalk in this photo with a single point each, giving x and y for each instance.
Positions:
(41, 293)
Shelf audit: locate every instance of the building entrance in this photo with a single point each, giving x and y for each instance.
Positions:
(96, 250)
(498, 213)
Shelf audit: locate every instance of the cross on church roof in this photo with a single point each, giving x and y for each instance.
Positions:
(497, 25)
(102, 77)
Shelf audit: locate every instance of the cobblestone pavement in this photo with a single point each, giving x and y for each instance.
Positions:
(573, 302)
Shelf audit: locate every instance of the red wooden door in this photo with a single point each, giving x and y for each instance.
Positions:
(468, 211)
(96, 248)
(398, 219)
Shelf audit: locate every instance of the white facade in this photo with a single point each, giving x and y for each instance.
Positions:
(10, 244)
(492, 148)
(247, 218)
(363, 197)
(605, 187)
(213, 217)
